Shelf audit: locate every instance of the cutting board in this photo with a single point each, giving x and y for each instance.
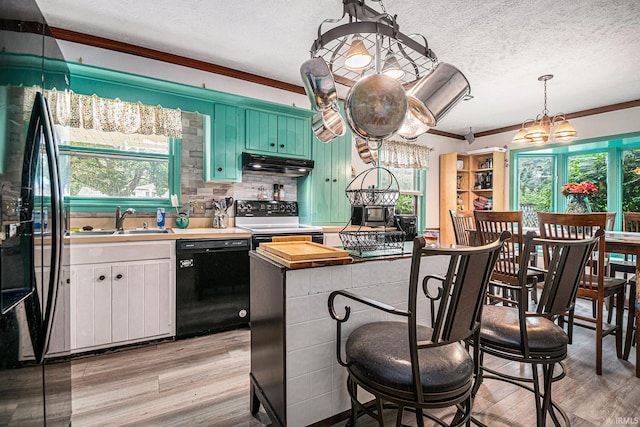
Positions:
(302, 250)
(304, 238)
(304, 263)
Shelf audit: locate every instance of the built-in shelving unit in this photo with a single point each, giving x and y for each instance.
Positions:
(469, 182)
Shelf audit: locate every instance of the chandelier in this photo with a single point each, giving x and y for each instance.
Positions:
(540, 130)
(396, 85)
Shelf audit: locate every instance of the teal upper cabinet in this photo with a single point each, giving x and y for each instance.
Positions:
(223, 156)
(323, 200)
(277, 134)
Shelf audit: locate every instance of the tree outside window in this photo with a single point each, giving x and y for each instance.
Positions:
(112, 166)
(592, 168)
(630, 181)
(535, 182)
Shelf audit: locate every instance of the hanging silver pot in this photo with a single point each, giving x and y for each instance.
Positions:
(319, 84)
(367, 153)
(328, 125)
(438, 92)
(376, 106)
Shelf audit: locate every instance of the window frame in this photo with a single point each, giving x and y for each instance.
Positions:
(143, 204)
(614, 146)
(420, 186)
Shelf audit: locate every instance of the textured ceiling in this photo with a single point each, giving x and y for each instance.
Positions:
(591, 47)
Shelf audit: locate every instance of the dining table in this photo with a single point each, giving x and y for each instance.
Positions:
(624, 242)
(621, 242)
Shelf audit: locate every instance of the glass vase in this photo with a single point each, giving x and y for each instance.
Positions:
(578, 203)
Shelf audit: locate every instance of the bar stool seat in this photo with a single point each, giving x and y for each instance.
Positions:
(501, 328)
(379, 352)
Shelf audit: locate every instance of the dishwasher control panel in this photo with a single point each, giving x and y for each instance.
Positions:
(205, 245)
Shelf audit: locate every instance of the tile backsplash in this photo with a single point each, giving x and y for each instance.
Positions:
(192, 183)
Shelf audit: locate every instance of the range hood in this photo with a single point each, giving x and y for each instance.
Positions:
(279, 165)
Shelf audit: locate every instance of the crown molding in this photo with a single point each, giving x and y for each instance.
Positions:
(89, 40)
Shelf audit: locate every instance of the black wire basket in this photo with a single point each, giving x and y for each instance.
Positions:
(385, 195)
(372, 240)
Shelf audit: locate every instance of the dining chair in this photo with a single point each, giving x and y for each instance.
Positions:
(594, 285)
(627, 266)
(407, 364)
(611, 220)
(462, 222)
(531, 337)
(489, 225)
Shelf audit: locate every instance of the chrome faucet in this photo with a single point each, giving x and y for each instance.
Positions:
(120, 216)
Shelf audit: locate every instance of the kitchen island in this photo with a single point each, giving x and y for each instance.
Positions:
(294, 371)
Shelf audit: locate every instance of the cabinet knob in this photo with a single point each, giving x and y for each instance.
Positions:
(102, 277)
(273, 144)
(219, 169)
(327, 180)
(335, 180)
(68, 280)
(119, 276)
(281, 145)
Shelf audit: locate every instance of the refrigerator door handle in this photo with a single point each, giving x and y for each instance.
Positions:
(57, 234)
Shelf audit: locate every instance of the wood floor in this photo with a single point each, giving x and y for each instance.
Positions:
(205, 381)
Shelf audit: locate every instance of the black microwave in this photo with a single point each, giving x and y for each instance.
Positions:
(372, 216)
(408, 224)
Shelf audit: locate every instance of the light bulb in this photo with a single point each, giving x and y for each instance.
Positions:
(357, 57)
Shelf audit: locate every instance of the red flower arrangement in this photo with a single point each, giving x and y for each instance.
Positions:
(587, 188)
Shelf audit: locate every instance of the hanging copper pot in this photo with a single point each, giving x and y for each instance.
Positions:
(376, 106)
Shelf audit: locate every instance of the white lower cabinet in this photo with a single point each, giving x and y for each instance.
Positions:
(123, 299)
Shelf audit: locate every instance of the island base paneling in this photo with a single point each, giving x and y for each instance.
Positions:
(294, 371)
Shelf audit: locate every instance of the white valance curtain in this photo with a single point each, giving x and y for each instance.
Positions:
(108, 115)
(398, 154)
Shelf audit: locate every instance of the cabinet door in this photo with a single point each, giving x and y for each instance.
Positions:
(91, 306)
(224, 163)
(141, 300)
(321, 188)
(340, 178)
(261, 131)
(294, 136)
(331, 175)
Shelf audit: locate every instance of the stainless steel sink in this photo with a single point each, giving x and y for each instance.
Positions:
(94, 232)
(114, 232)
(145, 231)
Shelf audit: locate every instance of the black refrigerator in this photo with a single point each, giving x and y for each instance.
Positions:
(35, 367)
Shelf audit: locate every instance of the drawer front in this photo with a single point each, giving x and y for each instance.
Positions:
(119, 252)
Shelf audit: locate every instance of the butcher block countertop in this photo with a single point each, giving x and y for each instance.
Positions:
(303, 254)
(173, 234)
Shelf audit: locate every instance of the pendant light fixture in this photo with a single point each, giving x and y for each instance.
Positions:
(540, 130)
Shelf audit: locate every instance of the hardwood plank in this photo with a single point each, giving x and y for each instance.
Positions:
(205, 381)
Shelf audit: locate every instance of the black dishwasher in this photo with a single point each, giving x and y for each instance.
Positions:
(212, 285)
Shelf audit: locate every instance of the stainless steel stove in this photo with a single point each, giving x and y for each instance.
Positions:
(265, 219)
